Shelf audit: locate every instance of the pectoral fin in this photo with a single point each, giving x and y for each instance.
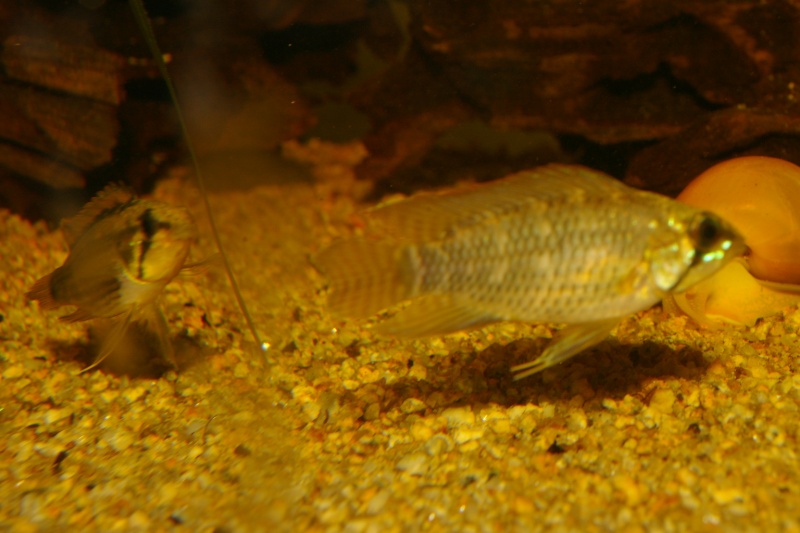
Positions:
(567, 342)
(201, 268)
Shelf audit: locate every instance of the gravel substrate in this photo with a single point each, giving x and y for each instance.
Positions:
(663, 427)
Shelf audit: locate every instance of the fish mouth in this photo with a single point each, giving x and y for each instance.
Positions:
(706, 264)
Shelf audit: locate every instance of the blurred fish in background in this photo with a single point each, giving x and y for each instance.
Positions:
(123, 252)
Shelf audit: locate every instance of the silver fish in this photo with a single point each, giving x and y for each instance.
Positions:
(123, 252)
(557, 244)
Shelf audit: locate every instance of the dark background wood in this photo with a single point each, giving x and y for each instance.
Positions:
(652, 91)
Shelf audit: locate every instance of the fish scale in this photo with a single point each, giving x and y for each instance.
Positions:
(557, 244)
(528, 291)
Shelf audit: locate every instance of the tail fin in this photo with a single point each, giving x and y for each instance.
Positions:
(366, 276)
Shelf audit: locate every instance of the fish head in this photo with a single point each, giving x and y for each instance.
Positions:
(158, 243)
(704, 244)
(760, 197)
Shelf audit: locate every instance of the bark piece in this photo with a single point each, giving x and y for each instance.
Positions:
(39, 167)
(668, 166)
(80, 132)
(79, 70)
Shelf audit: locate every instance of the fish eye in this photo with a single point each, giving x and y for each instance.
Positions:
(707, 232)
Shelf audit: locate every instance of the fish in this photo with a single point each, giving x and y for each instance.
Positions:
(556, 244)
(124, 250)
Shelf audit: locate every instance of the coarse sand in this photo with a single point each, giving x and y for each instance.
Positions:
(665, 426)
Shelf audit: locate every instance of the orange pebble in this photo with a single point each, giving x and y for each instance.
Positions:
(760, 196)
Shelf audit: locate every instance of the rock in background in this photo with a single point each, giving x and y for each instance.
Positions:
(654, 91)
(660, 89)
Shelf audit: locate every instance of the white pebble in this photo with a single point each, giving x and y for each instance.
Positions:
(459, 416)
(415, 464)
(467, 434)
(118, 439)
(412, 405)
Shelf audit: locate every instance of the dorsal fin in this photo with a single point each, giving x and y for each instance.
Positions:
(110, 200)
(428, 216)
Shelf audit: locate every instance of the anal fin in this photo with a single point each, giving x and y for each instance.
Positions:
(111, 340)
(436, 314)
